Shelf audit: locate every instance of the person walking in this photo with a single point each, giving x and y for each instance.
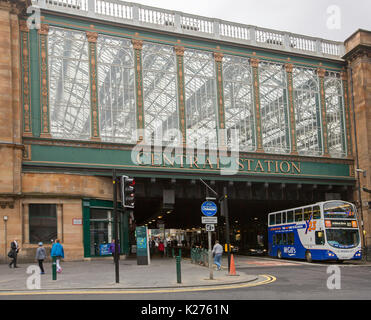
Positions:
(41, 256)
(161, 248)
(13, 253)
(217, 251)
(112, 250)
(58, 253)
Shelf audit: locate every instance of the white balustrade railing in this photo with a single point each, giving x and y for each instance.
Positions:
(179, 22)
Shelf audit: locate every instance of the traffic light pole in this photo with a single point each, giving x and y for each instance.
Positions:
(115, 214)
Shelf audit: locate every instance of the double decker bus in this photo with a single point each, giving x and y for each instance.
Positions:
(325, 230)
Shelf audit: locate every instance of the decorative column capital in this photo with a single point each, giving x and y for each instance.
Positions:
(218, 56)
(92, 36)
(44, 29)
(137, 44)
(289, 67)
(321, 72)
(254, 62)
(179, 50)
(23, 27)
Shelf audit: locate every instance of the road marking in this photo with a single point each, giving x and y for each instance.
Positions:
(266, 280)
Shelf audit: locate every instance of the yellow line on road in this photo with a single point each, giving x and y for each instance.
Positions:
(266, 280)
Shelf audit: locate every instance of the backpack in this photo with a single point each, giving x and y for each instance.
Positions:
(11, 254)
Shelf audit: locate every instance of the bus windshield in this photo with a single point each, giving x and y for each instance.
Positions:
(342, 238)
(338, 209)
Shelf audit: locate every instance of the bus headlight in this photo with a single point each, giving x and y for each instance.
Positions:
(331, 254)
(358, 254)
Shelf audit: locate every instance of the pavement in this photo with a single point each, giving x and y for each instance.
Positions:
(100, 274)
(161, 273)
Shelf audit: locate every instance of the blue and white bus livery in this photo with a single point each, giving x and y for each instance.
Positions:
(322, 231)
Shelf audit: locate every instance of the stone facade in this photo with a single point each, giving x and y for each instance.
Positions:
(19, 189)
(358, 57)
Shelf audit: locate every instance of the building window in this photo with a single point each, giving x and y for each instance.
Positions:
(273, 108)
(238, 101)
(307, 111)
(42, 222)
(116, 90)
(69, 87)
(161, 119)
(335, 114)
(200, 92)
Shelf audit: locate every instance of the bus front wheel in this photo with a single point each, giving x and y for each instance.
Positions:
(308, 256)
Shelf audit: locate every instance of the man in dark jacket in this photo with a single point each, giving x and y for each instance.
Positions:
(14, 249)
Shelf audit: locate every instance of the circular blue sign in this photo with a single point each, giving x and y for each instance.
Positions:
(209, 208)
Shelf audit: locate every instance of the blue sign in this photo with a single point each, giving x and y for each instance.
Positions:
(209, 208)
(104, 249)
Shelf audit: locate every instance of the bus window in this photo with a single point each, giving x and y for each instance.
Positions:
(319, 238)
(274, 240)
(284, 238)
(279, 238)
(278, 218)
(307, 213)
(271, 220)
(290, 238)
(298, 215)
(316, 212)
(284, 217)
(290, 216)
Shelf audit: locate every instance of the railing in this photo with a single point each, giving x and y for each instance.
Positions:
(179, 22)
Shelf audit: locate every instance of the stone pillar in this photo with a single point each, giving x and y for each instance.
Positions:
(92, 39)
(138, 44)
(10, 124)
(358, 57)
(292, 120)
(222, 143)
(179, 52)
(321, 75)
(255, 74)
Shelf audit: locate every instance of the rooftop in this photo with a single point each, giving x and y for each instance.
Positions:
(177, 22)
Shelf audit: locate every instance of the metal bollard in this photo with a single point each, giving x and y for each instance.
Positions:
(178, 270)
(54, 268)
(180, 252)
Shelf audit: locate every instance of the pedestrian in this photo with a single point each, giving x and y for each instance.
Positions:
(41, 256)
(161, 248)
(112, 249)
(217, 251)
(13, 253)
(58, 253)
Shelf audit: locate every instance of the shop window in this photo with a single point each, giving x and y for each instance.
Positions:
(42, 222)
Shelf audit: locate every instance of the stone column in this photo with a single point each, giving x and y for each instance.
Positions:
(179, 52)
(291, 106)
(92, 39)
(44, 82)
(255, 76)
(222, 143)
(321, 74)
(138, 44)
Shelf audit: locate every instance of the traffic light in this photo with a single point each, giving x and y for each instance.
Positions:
(127, 191)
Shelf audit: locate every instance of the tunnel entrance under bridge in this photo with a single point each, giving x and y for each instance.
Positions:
(171, 209)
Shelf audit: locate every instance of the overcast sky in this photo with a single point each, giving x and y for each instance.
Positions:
(328, 19)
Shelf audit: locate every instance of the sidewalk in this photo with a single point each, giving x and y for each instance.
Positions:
(100, 274)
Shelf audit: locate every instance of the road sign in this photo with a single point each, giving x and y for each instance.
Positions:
(209, 208)
(209, 220)
(210, 227)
